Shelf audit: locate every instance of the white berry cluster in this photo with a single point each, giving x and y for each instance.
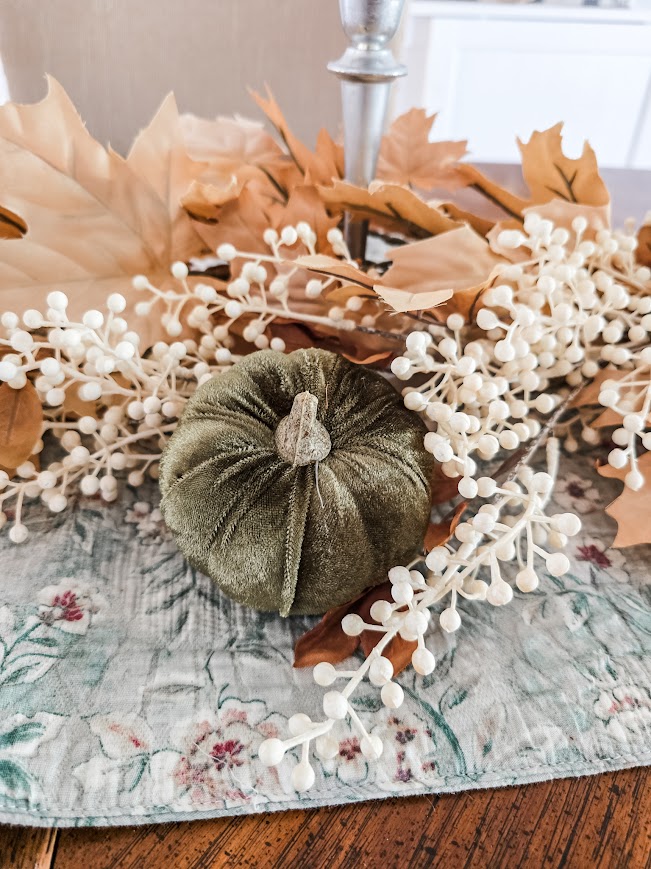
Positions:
(567, 306)
(110, 408)
(265, 288)
(512, 528)
(629, 396)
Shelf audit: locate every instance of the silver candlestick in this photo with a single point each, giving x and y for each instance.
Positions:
(367, 69)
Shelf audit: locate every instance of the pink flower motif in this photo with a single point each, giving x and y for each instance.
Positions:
(576, 494)
(69, 606)
(625, 710)
(595, 552)
(215, 756)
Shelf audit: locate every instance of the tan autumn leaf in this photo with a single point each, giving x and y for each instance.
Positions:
(481, 225)
(510, 203)
(21, 419)
(439, 533)
(226, 145)
(204, 201)
(643, 252)
(327, 163)
(304, 204)
(11, 225)
(589, 394)
(335, 268)
(408, 157)
(631, 510)
(54, 175)
(549, 174)
(240, 222)
(390, 205)
(299, 152)
(457, 265)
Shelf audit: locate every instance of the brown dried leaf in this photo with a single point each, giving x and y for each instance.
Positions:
(368, 360)
(643, 252)
(11, 225)
(458, 266)
(408, 157)
(439, 533)
(299, 152)
(228, 145)
(240, 222)
(481, 225)
(443, 488)
(589, 394)
(510, 203)
(551, 175)
(304, 204)
(204, 201)
(21, 418)
(326, 641)
(335, 268)
(391, 205)
(327, 162)
(54, 174)
(631, 510)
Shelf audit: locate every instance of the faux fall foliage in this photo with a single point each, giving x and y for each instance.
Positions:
(189, 185)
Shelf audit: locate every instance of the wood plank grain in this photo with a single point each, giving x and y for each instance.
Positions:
(27, 847)
(600, 821)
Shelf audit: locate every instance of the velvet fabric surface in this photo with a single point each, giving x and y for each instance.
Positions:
(296, 539)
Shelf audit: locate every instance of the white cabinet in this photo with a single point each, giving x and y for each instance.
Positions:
(494, 72)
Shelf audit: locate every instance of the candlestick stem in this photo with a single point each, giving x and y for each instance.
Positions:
(367, 69)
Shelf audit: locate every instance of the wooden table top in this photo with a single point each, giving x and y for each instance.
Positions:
(601, 822)
(594, 821)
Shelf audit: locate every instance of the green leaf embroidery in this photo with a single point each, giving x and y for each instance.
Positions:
(13, 779)
(23, 733)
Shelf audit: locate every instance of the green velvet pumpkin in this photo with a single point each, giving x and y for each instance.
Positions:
(296, 481)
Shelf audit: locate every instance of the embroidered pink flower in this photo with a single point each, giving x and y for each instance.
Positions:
(149, 523)
(596, 553)
(69, 606)
(215, 755)
(625, 710)
(576, 494)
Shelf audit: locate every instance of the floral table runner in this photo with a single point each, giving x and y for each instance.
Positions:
(132, 691)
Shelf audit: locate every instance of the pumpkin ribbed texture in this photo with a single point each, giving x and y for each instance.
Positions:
(298, 539)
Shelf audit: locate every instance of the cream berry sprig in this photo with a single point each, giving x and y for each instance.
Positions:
(513, 528)
(268, 287)
(110, 408)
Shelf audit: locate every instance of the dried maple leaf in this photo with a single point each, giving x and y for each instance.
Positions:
(408, 157)
(227, 145)
(241, 222)
(304, 204)
(318, 167)
(11, 225)
(551, 175)
(21, 419)
(439, 533)
(203, 202)
(631, 510)
(335, 268)
(643, 252)
(55, 175)
(390, 205)
(456, 267)
(510, 203)
(481, 225)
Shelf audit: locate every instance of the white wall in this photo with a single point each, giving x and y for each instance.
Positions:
(118, 58)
